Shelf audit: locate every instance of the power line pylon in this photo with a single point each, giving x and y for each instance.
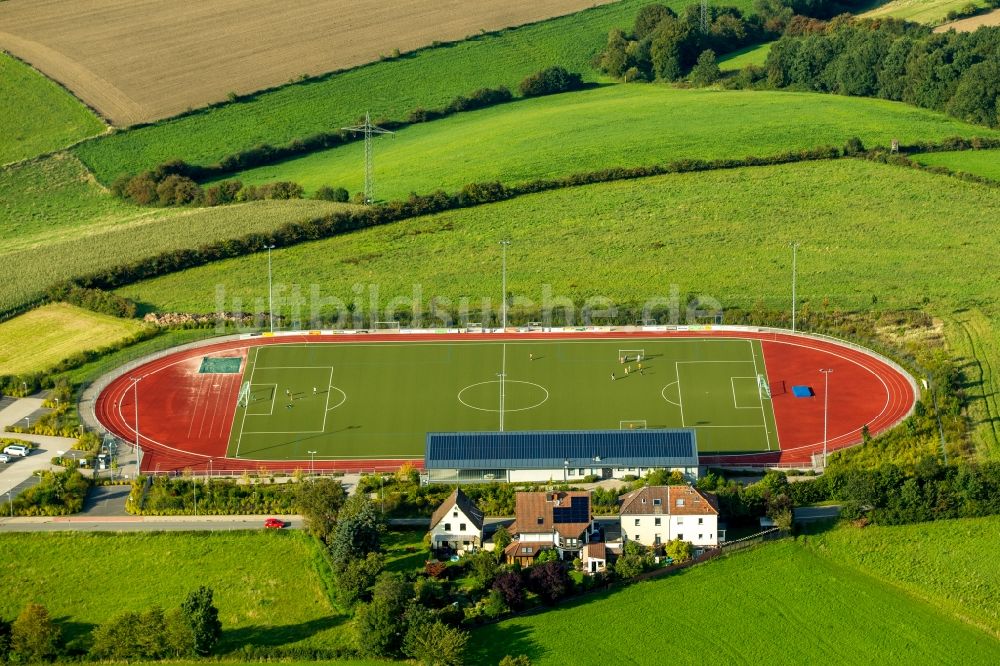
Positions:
(368, 130)
(704, 17)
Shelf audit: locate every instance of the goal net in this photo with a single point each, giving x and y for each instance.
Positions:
(763, 387)
(244, 398)
(630, 355)
(632, 424)
(387, 326)
(474, 327)
(535, 326)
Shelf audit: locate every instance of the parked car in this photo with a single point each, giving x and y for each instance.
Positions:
(4, 458)
(274, 524)
(16, 450)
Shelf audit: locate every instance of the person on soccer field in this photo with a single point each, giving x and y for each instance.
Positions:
(315, 390)
(531, 357)
(627, 367)
(621, 359)
(612, 376)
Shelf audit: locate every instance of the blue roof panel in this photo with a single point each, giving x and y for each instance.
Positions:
(561, 448)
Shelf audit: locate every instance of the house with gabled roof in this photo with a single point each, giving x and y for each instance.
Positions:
(654, 515)
(457, 524)
(557, 520)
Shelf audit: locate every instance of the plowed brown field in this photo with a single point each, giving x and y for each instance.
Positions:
(141, 60)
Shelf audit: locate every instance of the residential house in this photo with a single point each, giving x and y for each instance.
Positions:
(654, 515)
(457, 524)
(557, 520)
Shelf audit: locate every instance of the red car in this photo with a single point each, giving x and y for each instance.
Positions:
(274, 523)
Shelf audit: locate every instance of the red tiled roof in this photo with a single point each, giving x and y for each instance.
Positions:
(644, 502)
(596, 551)
(535, 513)
(515, 548)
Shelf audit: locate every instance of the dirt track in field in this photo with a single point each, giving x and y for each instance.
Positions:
(142, 60)
(970, 24)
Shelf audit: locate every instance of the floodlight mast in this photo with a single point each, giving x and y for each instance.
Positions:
(795, 252)
(368, 129)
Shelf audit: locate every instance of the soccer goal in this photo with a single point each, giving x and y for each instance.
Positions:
(632, 424)
(386, 325)
(629, 355)
(474, 327)
(535, 326)
(244, 398)
(763, 387)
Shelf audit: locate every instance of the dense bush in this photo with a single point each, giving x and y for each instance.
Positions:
(96, 300)
(327, 193)
(57, 494)
(167, 496)
(550, 81)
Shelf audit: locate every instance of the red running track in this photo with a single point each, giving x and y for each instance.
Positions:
(185, 417)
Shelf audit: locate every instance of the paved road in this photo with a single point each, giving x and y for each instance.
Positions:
(141, 523)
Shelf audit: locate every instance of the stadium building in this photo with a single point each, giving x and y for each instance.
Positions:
(542, 456)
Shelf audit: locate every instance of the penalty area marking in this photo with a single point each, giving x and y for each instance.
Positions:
(508, 381)
(663, 393)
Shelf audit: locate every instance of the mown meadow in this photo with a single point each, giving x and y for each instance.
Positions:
(38, 115)
(780, 603)
(985, 163)
(751, 55)
(429, 78)
(270, 588)
(612, 126)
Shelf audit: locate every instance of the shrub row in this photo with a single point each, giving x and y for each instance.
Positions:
(177, 496)
(95, 300)
(57, 494)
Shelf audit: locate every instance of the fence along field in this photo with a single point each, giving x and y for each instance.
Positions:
(38, 115)
(145, 60)
(611, 126)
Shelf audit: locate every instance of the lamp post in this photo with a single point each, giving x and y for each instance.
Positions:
(504, 244)
(135, 398)
(10, 501)
(826, 407)
(312, 463)
(795, 250)
(27, 421)
(270, 292)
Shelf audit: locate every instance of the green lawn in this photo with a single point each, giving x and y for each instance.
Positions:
(751, 55)
(39, 339)
(951, 564)
(985, 163)
(405, 550)
(267, 585)
(333, 398)
(429, 79)
(38, 115)
(612, 126)
(931, 12)
(781, 603)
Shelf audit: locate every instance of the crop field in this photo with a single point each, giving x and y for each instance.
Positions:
(274, 597)
(140, 61)
(972, 23)
(751, 55)
(709, 233)
(985, 163)
(772, 604)
(930, 12)
(390, 89)
(38, 116)
(951, 564)
(42, 337)
(619, 125)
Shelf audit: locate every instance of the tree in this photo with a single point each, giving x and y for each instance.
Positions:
(549, 81)
(501, 539)
(519, 660)
(437, 644)
(706, 71)
(549, 580)
(319, 501)
(179, 635)
(510, 585)
(483, 567)
(358, 531)
(648, 18)
(34, 636)
(378, 624)
(614, 59)
(354, 579)
(4, 640)
(132, 635)
(679, 551)
(635, 559)
(203, 618)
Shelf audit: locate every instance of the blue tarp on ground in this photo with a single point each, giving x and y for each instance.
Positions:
(802, 391)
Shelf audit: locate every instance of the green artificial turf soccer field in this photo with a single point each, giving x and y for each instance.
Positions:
(379, 400)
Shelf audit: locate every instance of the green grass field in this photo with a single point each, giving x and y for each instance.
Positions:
(429, 79)
(782, 603)
(985, 163)
(39, 339)
(930, 12)
(615, 125)
(268, 586)
(334, 399)
(751, 55)
(38, 115)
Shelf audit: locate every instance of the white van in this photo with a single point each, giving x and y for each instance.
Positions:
(16, 450)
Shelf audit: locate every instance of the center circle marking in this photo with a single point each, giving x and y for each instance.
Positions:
(497, 409)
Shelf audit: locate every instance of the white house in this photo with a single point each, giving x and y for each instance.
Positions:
(656, 514)
(551, 520)
(457, 524)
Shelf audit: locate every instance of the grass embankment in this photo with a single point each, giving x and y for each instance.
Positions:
(389, 89)
(57, 223)
(613, 126)
(42, 337)
(268, 586)
(38, 115)
(751, 55)
(756, 607)
(929, 12)
(985, 163)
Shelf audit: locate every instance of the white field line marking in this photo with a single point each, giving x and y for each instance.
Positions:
(663, 393)
(680, 393)
(342, 401)
(274, 393)
(326, 406)
(243, 422)
(732, 381)
(763, 414)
